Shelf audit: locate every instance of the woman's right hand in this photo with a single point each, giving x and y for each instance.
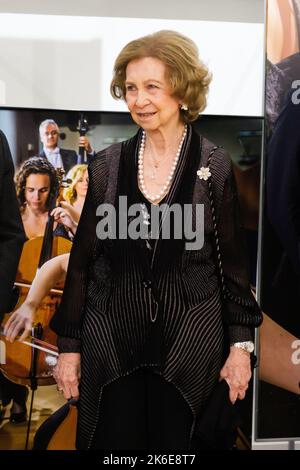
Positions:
(67, 374)
(20, 321)
(62, 216)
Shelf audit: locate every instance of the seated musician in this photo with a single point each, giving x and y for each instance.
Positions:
(36, 182)
(70, 208)
(39, 186)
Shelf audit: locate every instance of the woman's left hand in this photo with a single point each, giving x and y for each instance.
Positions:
(237, 373)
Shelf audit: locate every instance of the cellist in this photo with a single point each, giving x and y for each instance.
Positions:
(54, 270)
(36, 183)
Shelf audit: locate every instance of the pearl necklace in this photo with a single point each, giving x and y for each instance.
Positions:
(166, 186)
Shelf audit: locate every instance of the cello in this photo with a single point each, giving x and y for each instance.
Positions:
(58, 431)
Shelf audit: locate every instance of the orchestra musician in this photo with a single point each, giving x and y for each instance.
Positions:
(73, 197)
(60, 158)
(54, 270)
(36, 185)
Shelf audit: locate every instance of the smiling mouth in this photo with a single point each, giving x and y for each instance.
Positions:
(145, 114)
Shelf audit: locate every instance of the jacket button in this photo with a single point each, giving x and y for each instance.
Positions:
(147, 283)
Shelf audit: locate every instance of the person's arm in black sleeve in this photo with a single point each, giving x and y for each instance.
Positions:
(242, 313)
(66, 344)
(282, 181)
(12, 234)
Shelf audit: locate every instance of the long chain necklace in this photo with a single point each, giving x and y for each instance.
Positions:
(166, 186)
(153, 174)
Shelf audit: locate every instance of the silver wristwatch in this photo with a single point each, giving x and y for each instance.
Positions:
(245, 345)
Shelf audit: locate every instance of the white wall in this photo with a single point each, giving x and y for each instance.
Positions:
(251, 11)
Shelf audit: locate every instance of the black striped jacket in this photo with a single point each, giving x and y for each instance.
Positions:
(95, 273)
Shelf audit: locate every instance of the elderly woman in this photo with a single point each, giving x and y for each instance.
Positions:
(144, 339)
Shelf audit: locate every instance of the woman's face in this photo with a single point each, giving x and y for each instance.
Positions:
(81, 186)
(148, 95)
(37, 191)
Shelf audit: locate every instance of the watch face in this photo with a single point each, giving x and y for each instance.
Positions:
(245, 345)
(248, 346)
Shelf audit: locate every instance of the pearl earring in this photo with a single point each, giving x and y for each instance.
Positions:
(184, 107)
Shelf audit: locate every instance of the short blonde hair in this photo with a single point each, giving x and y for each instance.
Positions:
(75, 173)
(189, 78)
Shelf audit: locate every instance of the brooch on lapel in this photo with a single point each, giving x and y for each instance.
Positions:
(204, 173)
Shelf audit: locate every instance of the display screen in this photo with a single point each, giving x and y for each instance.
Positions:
(65, 62)
(277, 402)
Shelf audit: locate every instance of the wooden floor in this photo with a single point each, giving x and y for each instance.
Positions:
(46, 400)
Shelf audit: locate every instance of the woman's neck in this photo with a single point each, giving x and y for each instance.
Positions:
(165, 141)
(36, 213)
(34, 222)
